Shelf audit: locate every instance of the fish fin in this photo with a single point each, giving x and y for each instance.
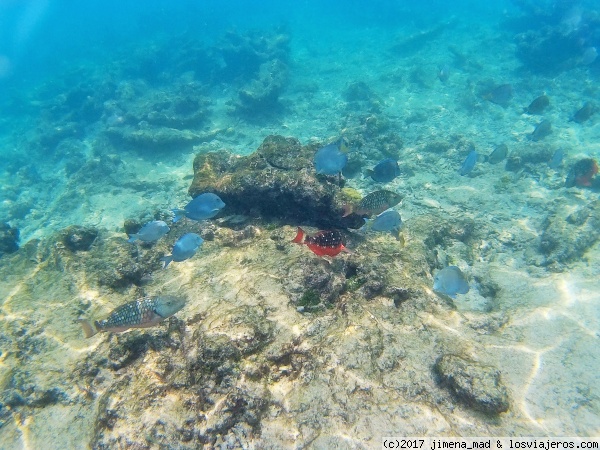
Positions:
(166, 260)
(88, 329)
(299, 236)
(343, 145)
(363, 229)
(346, 250)
(132, 238)
(347, 210)
(178, 214)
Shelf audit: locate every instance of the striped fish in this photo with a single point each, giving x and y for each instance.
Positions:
(374, 203)
(142, 313)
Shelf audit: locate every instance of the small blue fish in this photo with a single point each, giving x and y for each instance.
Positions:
(150, 232)
(386, 221)
(205, 206)
(557, 159)
(385, 171)
(450, 281)
(331, 159)
(469, 163)
(185, 247)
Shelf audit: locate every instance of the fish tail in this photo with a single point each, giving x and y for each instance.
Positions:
(299, 236)
(88, 329)
(178, 214)
(166, 260)
(348, 209)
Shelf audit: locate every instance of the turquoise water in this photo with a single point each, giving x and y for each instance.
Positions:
(104, 107)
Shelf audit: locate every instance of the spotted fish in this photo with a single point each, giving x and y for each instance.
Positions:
(142, 313)
(322, 243)
(374, 203)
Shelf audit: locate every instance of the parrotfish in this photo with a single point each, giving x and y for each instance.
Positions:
(205, 206)
(499, 154)
(374, 203)
(142, 313)
(185, 247)
(385, 171)
(582, 173)
(150, 232)
(543, 129)
(322, 243)
(386, 221)
(538, 105)
(469, 163)
(331, 159)
(450, 281)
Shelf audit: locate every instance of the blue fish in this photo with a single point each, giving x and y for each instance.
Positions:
(205, 206)
(557, 159)
(150, 232)
(388, 220)
(331, 159)
(185, 247)
(385, 171)
(468, 163)
(450, 281)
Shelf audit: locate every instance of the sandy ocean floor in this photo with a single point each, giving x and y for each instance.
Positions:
(346, 376)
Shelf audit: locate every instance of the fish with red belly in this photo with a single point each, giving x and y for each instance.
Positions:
(322, 243)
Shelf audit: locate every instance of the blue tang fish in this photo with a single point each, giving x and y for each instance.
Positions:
(185, 247)
(386, 221)
(557, 159)
(205, 206)
(468, 163)
(331, 159)
(385, 171)
(150, 232)
(450, 281)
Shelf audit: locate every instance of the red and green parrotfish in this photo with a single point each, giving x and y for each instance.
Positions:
(322, 243)
(374, 203)
(142, 313)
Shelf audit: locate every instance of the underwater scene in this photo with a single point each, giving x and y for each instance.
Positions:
(309, 224)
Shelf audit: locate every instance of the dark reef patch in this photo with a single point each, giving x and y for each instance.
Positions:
(473, 384)
(277, 182)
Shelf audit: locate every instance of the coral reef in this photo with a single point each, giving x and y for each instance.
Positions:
(277, 182)
(9, 239)
(260, 97)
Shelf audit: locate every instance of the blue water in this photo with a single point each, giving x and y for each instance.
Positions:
(39, 37)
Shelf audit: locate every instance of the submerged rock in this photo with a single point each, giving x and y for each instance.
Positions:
(277, 181)
(78, 238)
(260, 97)
(477, 386)
(9, 239)
(566, 239)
